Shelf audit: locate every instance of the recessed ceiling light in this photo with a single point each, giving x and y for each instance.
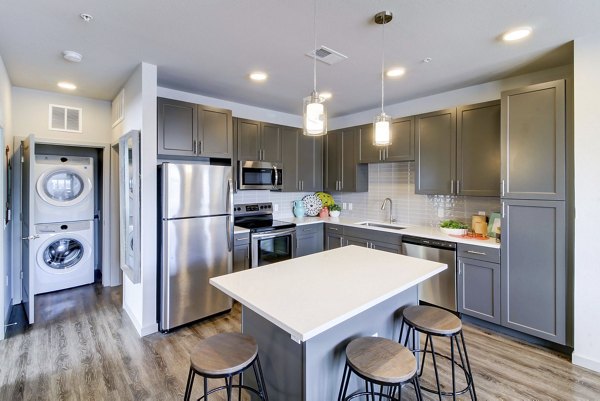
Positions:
(72, 56)
(396, 72)
(325, 95)
(258, 76)
(86, 17)
(427, 60)
(516, 34)
(67, 85)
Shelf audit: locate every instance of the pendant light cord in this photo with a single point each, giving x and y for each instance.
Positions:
(382, 59)
(315, 47)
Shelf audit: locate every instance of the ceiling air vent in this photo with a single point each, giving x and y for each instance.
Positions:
(64, 118)
(118, 106)
(327, 55)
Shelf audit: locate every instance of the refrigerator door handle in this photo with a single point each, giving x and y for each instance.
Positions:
(228, 233)
(229, 196)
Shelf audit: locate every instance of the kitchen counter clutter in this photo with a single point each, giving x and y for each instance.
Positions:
(417, 231)
(303, 312)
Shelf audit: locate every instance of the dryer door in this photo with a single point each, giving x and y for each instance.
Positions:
(63, 187)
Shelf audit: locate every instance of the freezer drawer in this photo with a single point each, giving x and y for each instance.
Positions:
(193, 251)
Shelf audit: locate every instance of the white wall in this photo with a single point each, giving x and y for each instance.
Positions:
(139, 300)
(587, 202)
(5, 237)
(30, 116)
(237, 109)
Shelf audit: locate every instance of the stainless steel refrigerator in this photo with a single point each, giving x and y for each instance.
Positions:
(196, 241)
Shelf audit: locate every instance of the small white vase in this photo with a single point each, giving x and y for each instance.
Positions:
(334, 213)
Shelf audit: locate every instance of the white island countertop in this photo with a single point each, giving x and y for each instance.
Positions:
(309, 295)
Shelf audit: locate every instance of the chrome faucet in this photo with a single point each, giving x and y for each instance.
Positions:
(383, 208)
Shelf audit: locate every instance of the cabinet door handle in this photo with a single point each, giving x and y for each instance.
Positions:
(194, 147)
(302, 185)
(341, 242)
(477, 253)
(459, 269)
(387, 152)
(502, 209)
(452, 186)
(457, 187)
(333, 229)
(502, 187)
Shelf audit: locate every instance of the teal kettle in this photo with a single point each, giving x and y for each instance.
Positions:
(298, 208)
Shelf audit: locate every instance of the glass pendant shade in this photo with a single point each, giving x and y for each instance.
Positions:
(315, 116)
(382, 135)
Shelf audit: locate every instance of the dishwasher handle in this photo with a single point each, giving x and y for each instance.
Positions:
(431, 243)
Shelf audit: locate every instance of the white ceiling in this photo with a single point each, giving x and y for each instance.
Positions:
(210, 46)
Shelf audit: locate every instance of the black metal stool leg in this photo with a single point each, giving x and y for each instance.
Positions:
(228, 384)
(462, 337)
(453, 369)
(341, 392)
(188, 387)
(401, 331)
(468, 377)
(240, 382)
(427, 338)
(260, 380)
(435, 369)
(205, 388)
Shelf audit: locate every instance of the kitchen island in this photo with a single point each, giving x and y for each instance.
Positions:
(303, 312)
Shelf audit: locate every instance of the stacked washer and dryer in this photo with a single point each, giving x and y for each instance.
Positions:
(64, 222)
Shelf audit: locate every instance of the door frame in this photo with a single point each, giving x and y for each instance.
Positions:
(110, 276)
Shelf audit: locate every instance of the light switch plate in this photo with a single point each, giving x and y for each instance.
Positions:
(275, 207)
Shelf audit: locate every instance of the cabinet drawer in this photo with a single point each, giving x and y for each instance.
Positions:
(334, 229)
(241, 239)
(308, 230)
(479, 253)
(372, 235)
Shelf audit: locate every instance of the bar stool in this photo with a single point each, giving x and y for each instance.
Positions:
(224, 356)
(437, 322)
(379, 361)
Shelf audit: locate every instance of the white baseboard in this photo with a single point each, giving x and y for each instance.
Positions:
(142, 331)
(585, 362)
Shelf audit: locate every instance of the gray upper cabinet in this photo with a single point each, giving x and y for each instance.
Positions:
(258, 140)
(401, 149)
(302, 161)
(176, 128)
(342, 171)
(533, 142)
(435, 151)
(187, 129)
(533, 275)
(478, 150)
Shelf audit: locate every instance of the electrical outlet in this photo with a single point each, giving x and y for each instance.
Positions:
(275, 207)
(344, 205)
(349, 206)
(481, 213)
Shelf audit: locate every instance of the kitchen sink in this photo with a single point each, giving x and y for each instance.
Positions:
(380, 225)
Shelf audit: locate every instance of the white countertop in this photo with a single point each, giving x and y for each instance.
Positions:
(308, 295)
(417, 231)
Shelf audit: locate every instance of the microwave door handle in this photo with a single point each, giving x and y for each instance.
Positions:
(276, 177)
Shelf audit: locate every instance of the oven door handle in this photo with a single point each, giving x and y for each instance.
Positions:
(273, 234)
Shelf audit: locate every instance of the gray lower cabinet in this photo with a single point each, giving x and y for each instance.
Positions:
(258, 140)
(478, 282)
(193, 130)
(534, 269)
(309, 239)
(342, 171)
(302, 161)
(333, 236)
(435, 152)
(241, 252)
(478, 149)
(401, 149)
(533, 142)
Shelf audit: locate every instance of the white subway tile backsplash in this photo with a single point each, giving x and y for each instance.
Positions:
(388, 180)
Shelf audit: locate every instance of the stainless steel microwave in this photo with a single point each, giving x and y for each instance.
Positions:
(260, 175)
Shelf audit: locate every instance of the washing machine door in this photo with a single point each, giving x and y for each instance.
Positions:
(63, 187)
(61, 255)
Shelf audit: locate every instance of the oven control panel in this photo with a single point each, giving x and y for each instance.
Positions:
(251, 209)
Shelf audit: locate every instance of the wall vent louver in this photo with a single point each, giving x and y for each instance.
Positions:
(327, 55)
(65, 118)
(118, 108)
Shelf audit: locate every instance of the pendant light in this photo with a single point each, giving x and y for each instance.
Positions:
(315, 113)
(382, 123)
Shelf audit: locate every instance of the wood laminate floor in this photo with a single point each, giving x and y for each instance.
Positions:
(83, 347)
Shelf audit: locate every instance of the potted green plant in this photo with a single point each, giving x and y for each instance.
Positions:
(453, 227)
(334, 210)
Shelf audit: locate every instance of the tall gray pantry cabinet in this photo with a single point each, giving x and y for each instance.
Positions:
(534, 214)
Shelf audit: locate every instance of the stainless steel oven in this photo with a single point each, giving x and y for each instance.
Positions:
(260, 175)
(272, 246)
(271, 241)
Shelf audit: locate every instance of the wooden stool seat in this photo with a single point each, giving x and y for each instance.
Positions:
(382, 360)
(429, 319)
(223, 354)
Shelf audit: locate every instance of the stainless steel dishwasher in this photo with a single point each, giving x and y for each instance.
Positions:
(440, 289)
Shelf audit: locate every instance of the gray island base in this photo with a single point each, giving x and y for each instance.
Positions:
(303, 312)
